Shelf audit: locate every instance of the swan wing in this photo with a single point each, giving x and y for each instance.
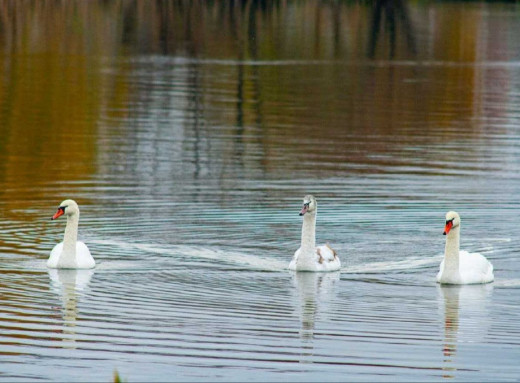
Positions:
(327, 259)
(52, 262)
(84, 259)
(441, 269)
(475, 268)
(326, 253)
(292, 265)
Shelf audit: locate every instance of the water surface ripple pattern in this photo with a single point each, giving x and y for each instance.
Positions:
(189, 152)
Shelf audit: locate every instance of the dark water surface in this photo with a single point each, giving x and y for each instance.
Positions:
(189, 132)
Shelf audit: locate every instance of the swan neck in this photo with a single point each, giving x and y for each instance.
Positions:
(70, 238)
(309, 232)
(451, 252)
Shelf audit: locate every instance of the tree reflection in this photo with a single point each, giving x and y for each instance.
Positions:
(241, 69)
(387, 14)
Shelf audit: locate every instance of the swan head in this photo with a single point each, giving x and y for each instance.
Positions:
(67, 207)
(309, 205)
(452, 220)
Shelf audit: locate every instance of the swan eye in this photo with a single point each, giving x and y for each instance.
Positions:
(62, 208)
(450, 220)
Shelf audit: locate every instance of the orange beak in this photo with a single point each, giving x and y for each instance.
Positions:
(447, 228)
(59, 213)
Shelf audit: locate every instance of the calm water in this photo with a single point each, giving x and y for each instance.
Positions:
(189, 133)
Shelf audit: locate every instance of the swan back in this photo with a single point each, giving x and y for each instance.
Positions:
(82, 260)
(324, 258)
(474, 268)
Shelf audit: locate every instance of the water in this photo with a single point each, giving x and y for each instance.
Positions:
(189, 133)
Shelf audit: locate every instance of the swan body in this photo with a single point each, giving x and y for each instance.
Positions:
(71, 253)
(309, 257)
(461, 267)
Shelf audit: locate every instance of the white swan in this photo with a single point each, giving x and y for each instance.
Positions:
(461, 268)
(71, 253)
(309, 257)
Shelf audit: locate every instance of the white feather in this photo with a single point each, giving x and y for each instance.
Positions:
(309, 257)
(460, 267)
(473, 268)
(71, 253)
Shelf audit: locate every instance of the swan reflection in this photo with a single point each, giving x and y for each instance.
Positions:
(69, 284)
(315, 291)
(466, 319)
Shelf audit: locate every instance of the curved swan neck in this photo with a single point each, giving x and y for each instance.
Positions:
(309, 232)
(69, 239)
(451, 251)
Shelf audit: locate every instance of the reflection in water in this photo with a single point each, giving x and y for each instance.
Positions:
(451, 327)
(387, 14)
(165, 83)
(69, 284)
(465, 320)
(314, 291)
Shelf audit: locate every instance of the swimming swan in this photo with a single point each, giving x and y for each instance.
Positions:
(461, 268)
(309, 257)
(71, 253)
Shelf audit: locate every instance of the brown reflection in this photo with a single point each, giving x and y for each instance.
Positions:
(244, 28)
(50, 94)
(388, 14)
(297, 73)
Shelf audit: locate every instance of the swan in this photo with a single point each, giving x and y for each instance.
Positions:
(461, 268)
(71, 253)
(309, 257)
